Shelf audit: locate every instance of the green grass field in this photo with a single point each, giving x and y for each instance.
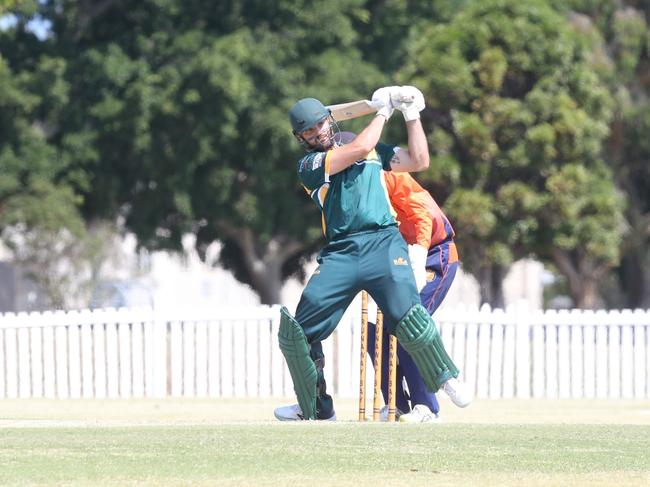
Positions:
(236, 442)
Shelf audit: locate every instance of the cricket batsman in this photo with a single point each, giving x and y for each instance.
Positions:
(364, 251)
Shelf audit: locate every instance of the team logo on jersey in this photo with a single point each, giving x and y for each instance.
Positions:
(431, 275)
(400, 261)
(317, 161)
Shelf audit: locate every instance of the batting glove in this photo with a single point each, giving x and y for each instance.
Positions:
(408, 100)
(381, 99)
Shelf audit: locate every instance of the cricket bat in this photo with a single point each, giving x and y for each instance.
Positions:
(353, 109)
(359, 108)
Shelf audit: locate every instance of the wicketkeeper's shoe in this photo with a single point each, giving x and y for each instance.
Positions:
(294, 413)
(420, 414)
(383, 413)
(459, 392)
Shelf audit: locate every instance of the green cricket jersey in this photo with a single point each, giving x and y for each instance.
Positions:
(353, 200)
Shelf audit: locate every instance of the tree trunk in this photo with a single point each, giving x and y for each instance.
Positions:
(498, 274)
(585, 296)
(264, 261)
(582, 276)
(267, 281)
(490, 280)
(634, 267)
(633, 277)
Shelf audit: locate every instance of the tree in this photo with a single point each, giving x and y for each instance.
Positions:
(39, 216)
(619, 31)
(171, 117)
(386, 26)
(513, 101)
(179, 121)
(581, 203)
(6, 5)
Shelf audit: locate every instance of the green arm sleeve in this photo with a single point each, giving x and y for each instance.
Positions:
(386, 153)
(312, 170)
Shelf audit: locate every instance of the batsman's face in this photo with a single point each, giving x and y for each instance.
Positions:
(319, 137)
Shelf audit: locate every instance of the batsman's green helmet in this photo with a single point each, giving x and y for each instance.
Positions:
(306, 113)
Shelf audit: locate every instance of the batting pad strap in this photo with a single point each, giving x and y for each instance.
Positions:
(294, 347)
(418, 334)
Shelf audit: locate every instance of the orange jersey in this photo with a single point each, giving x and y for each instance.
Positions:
(420, 218)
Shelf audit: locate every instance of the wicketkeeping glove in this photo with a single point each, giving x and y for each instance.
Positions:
(408, 100)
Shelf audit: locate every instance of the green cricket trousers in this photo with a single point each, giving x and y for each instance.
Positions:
(376, 261)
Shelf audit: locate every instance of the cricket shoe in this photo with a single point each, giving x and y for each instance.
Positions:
(383, 413)
(459, 392)
(420, 414)
(294, 413)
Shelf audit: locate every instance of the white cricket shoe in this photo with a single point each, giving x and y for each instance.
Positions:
(294, 413)
(420, 414)
(383, 413)
(459, 392)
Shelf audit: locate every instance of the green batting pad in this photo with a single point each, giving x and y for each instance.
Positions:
(295, 349)
(418, 334)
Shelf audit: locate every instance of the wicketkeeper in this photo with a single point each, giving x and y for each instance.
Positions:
(365, 249)
(434, 257)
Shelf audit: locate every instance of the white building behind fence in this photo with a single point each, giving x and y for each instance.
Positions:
(230, 352)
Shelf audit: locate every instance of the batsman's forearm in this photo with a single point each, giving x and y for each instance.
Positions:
(418, 145)
(369, 137)
(344, 156)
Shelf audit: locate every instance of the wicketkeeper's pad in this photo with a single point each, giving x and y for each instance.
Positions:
(294, 347)
(418, 334)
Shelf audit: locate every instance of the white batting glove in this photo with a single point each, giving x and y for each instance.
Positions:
(408, 100)
(418, 258)
(381, 99)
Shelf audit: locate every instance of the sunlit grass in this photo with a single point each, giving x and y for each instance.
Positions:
(234, 442)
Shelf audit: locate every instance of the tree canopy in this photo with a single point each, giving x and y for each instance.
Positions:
(515, 105)
(169, 117)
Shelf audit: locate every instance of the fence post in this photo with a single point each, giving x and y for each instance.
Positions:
(640, 354)
(159, 354)
(24, 372)
(627, 354)
(602, 351)
(483, 351)
(2, 356)
(522, 339)
(11, 356)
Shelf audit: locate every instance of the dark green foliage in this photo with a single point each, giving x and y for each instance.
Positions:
(171, 116)
(176, 119)
(514, 99)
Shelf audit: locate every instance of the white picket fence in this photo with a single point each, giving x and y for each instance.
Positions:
(234, 353)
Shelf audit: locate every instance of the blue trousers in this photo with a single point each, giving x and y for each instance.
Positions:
(441, 275)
